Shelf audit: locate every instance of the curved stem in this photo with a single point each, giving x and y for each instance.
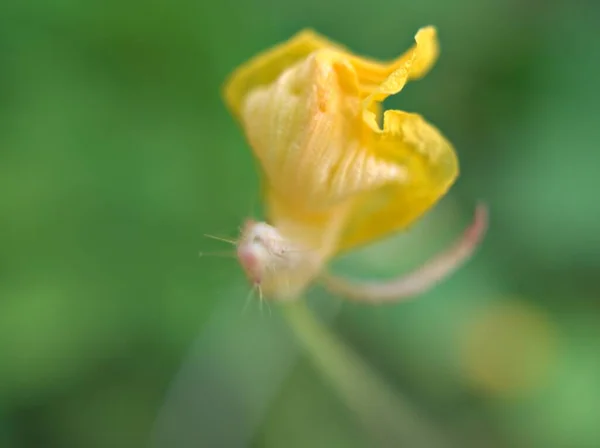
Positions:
(419, 281)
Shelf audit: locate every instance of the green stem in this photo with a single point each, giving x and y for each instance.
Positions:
(379, 407)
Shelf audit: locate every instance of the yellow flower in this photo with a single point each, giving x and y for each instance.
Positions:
(337, 173)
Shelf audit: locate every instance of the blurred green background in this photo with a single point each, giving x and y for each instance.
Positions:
(117, 155)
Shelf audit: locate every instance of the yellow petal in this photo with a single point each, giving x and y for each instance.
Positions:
(410, 142)
(332, 176)
(413, 64)
(306, 130)
(432, 166)
(266, 67)
(418, 60)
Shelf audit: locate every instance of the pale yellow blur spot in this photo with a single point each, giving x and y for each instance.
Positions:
(508, 349)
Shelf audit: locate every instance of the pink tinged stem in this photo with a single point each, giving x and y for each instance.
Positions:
(424, 278)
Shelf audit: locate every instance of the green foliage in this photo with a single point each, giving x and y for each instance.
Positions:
(117, 155)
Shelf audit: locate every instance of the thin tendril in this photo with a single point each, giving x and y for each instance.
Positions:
(249, 298)
(218, 238)
(220, 253)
